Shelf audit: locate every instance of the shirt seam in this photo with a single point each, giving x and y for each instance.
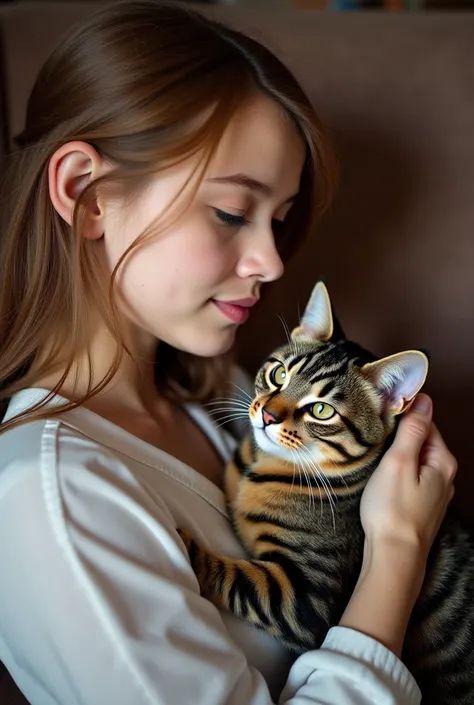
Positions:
(55, 514)
(129, 454)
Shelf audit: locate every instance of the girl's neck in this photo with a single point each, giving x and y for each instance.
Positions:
(132, 389)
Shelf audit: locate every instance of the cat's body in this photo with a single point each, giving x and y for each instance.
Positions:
(322, 417)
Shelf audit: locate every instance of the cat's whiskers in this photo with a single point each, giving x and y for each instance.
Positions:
(228, 419)
(286, 329)
(294, 467)
(321, 472)
(228, 409)
(324, 481)
(320, 489)
(224, 413)
(340, 475)
(310, 488)
(227, 406)
(291, 342)
(246, 394)
(295, 472)
(228, 400)
(217, 413)
(311, 491)
(299, 474)
(331, 491)
(300, 446)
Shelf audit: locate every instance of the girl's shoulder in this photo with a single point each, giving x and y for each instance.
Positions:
(54, 459)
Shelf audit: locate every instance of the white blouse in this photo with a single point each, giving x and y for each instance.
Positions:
(99, 604)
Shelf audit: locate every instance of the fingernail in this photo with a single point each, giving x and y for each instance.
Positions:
(422, 404)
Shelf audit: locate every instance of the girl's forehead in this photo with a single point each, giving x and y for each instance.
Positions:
(261, 143)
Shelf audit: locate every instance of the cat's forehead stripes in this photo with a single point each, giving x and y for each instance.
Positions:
(320, 370)
(299, 362)
(329, 372)
(326, 388)
(306, 360)
(325, 358)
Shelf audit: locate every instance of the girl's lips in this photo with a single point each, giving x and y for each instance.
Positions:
(237, 313)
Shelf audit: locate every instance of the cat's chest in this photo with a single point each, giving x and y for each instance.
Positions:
(272, 505)
(269, 483)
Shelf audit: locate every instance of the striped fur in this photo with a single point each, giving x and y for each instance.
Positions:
(293, 491)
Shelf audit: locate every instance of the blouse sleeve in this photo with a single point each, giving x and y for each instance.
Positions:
(100, 605)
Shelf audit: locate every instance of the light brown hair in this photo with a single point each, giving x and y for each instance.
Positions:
(126, 81)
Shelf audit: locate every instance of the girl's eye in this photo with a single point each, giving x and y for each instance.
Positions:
(322, 411)
(239, 221)
(233, 221)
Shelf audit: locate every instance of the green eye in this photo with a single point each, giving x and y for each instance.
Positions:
(278, 375)
(322, 411)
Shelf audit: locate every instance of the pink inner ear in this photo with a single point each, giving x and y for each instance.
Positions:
(403, 405)
(413, 381)
(407, 404)
(401, 380)
(393, 403)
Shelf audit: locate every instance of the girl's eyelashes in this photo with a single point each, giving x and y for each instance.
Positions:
(233, 221)
(239, 221)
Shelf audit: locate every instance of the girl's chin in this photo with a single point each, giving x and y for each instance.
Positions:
(213, 345)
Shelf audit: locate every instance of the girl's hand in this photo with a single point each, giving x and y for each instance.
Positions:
(406, 498)
(401, 511)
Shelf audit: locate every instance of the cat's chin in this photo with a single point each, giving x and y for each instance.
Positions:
(268, 445)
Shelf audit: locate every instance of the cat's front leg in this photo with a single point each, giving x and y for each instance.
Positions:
(259, 592)
(219, 576)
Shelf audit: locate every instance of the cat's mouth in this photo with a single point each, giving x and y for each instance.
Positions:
(273, 446)
(261, 432)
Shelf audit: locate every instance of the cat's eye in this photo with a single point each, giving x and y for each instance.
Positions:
(322, 411)
(278, 375)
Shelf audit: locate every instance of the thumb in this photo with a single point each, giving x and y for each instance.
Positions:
(414, 427)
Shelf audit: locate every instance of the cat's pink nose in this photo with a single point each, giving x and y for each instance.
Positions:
(269, 417)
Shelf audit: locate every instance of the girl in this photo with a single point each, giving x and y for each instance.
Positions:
(167, 168)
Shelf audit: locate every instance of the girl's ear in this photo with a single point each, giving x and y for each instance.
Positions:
(71, 168)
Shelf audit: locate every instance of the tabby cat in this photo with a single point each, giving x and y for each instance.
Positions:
(325, 410)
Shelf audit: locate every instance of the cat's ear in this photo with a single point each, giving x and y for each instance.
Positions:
(399, 378)
(316, 322)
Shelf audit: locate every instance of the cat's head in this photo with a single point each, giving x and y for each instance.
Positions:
(325, 402)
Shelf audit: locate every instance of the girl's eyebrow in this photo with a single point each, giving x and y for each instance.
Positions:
(249, 183)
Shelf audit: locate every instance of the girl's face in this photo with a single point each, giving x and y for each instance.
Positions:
(177, 287)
